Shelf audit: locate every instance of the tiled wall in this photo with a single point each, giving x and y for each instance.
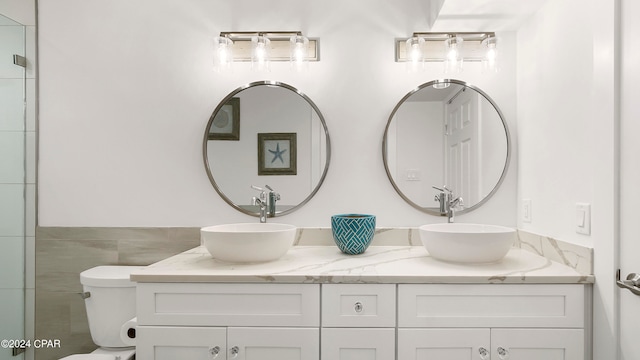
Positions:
(62, 253)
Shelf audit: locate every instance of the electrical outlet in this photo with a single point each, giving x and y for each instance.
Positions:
(413, 175)
(526, 210)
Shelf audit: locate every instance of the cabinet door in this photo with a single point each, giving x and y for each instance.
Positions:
(536, 344)
(358, 344)
(170, 343)
(444, 344)
(245, 343)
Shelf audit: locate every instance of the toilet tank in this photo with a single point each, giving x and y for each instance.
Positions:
(111, 302)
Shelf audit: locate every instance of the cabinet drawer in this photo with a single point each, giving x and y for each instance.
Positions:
(195, 304)
(358, 305)
(529, 305)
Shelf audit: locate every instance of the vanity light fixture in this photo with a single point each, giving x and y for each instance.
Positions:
(453, 59)
(490, 60)
(415, 55)
(223, 57)
(260, 53)
(298, 45)
(263, 47)
(447, 48)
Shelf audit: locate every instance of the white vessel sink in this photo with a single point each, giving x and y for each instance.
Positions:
(248, 242)
(467, 243)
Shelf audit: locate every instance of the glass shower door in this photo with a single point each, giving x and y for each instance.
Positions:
(12, 185)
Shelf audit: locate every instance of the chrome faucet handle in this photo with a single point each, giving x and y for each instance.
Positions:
(271, 203)
(443, 189)
(257, 188)
(275, 194)
(262, 202)
(456, 203)
(263, 192)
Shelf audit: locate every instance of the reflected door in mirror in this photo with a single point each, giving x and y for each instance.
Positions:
(453, 136)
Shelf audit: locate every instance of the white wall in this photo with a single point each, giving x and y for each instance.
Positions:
(22, 11)
(567, 125)
(555, 80)
(126, 89)
(419, 146)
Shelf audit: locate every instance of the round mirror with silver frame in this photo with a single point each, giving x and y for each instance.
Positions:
(266, 134)
(446, 133)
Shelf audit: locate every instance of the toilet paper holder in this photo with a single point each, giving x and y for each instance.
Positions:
(128, 332)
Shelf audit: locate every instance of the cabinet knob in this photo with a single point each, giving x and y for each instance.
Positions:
(234, 352)
(503, 353)
(484, 354)
(214, 351)
(358, 307)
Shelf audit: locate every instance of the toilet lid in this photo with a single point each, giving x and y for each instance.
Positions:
(109, 276)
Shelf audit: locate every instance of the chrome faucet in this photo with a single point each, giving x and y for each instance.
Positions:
(260, 201)
(267, 202)
(273, 198)
(442, 199)
(448, 204)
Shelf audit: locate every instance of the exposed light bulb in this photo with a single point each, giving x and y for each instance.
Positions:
(415, 54)
(452, 55)
(260, 53)
(490, 60)
(491, 53)
(453, 60)
(223, 56)
(298, 52)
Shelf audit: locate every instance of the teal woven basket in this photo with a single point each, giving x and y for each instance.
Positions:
(353, 233)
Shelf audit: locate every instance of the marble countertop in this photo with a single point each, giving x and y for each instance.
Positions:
(379, 264)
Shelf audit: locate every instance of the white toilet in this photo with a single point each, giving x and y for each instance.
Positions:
(110, 298)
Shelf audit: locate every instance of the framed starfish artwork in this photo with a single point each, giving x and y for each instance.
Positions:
(277, 154)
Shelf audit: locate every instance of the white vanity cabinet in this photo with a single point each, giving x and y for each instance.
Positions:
(358, 321)
(460, 322)
(392, 303)
(228, 321)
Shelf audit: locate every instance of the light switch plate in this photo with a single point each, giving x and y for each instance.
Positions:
(526, 210)
(583, 218)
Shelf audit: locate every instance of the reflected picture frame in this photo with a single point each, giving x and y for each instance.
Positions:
(277, 154)
(226, 123)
